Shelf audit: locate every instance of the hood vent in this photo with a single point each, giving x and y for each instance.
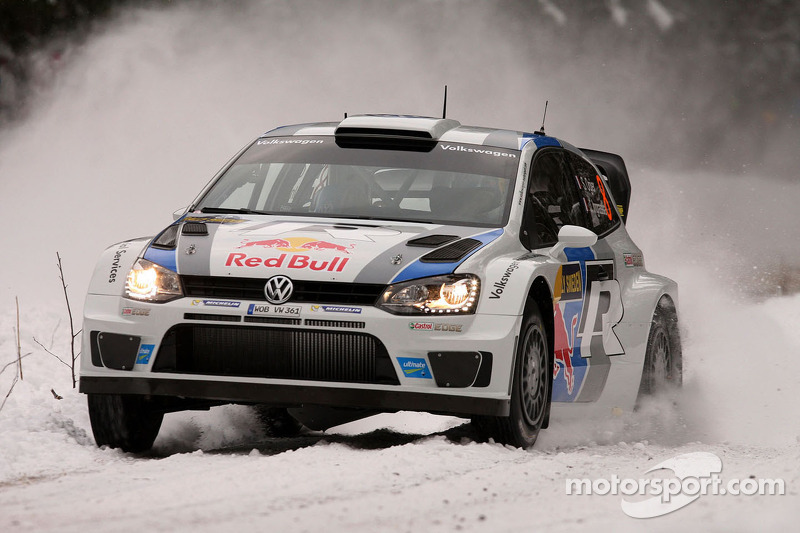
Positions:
(432, 241)
(452, 252)
(195, 228)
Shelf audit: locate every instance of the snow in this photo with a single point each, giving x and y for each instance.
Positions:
(660, 15)
(618, 12)
(147, 85)
(554, 12)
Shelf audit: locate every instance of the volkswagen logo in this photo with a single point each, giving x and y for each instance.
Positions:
(278, 289)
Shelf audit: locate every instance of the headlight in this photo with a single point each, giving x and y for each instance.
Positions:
(453, 294)
(150, 282)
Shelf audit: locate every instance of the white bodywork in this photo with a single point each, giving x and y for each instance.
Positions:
(604, 322)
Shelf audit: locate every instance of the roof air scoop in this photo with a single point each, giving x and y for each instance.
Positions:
(397, 126)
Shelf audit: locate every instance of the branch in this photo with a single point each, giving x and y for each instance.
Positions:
(19, 350)
(53, 335)
(51, 353)
(71, 323)
(13, 383)
(13, 362)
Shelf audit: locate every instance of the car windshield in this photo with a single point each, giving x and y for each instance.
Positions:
(451, 183)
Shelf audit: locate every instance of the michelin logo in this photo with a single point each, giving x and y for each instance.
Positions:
(215, 303)
(414, 367)
(336, 309)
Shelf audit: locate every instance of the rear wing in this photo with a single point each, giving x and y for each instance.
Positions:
(613, 167)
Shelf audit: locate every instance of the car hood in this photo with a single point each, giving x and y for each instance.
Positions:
(316, 249)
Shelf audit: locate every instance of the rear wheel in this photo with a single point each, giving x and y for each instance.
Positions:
(531, 390)
(130, 423)
(663, 365)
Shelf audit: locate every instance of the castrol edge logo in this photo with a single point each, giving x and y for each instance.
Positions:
(298, 253)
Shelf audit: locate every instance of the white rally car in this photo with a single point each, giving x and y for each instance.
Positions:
(336, 270)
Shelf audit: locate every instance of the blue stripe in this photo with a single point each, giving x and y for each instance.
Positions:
(165, 258)
(542, 141)
(418, 269)
(582, 255)
(524, 138)
(579, 254)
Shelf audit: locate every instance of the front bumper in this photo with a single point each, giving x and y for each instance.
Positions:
(293, 395)
(468, 359)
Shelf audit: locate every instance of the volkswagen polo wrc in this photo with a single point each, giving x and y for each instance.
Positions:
(336, 270)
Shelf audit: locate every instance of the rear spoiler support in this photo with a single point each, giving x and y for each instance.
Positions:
(613, 167)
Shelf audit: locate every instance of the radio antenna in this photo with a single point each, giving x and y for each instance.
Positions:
(444, 107)
(541, 130)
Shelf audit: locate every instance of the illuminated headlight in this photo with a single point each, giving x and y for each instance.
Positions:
(150, 282)
(452, 294)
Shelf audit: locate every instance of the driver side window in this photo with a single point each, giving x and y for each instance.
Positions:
(552, 199)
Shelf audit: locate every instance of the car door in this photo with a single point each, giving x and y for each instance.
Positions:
(592, 339)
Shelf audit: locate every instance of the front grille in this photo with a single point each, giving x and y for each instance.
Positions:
(284, 353)
(335, 323)
(209, 316)
(327, 292)
(272, 320)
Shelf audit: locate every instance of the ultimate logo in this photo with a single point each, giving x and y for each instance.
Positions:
(414, 367)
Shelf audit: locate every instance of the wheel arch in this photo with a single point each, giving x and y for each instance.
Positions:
(541, 294)
(667, 308)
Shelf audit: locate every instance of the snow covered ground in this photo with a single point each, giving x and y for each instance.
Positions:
(212, 471)
(90, 168)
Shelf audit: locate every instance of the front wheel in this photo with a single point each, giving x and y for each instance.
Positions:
(277, 422)
(130, 423)
(531, 391)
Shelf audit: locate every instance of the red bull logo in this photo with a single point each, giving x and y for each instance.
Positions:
(568, 290)
(324, 245)
(295, 257)
(298, 244)
(564, 348)
(269, 243)
(298, 261)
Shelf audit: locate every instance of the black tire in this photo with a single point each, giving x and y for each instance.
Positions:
(277, 422)
(663, 362)
(130, 423)
(531, 390)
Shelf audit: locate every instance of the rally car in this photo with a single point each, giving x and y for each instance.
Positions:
(332, 271)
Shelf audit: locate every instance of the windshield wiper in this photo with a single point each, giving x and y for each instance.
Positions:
(231, 211)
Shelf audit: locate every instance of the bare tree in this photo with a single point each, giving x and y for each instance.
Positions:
(18, 361)
(73, 334)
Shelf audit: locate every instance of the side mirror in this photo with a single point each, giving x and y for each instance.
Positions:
(572, 237)
(179, 213)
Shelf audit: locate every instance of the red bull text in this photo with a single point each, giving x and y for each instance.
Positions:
(298, 261)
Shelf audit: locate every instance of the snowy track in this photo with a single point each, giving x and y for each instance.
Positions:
(215, 471)
(377, 481)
